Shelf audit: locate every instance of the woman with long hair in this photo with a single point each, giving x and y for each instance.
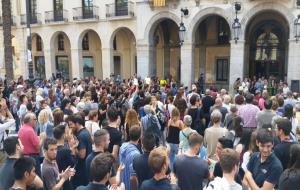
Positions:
(131, 119)
(22, 108)
(44, 123)
(289, 179)
(58, 117)
(250, 147)
(174, 127)
(182, 107)
(289, 114)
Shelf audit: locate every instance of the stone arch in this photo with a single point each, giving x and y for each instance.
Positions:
(54, 36)
(123, 45)
(155, 20)
(92, 56)
(58, 57)
(201, 16)
(128, 31)
(81, 35)
(276, 7)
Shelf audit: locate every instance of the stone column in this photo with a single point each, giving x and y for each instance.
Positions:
(107, 62)
(187, 64)
(76, 64)
(236, 68)
(145, 60)
(293, 69)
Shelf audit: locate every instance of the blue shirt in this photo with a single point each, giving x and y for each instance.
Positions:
(269, 170)
(128, 152)
(163, 184)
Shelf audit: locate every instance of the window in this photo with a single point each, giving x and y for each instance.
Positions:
(267, 46)
(223, 31)
(88, 66)
(121, 7)
(222, 69)
(87, 8)
(39, 45)
(85, 42)
(33, 12)
(61, 42)
(58, 10)
(87, 3)
(58, 5)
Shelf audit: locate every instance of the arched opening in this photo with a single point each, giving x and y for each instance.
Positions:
(61, 55)
(166, 50)
(123, 44)
(38, 56)
(90, 51)
(266, 47)
(212, 52)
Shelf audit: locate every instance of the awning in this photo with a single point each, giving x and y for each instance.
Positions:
(159, 3)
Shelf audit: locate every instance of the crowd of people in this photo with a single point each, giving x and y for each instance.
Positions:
(147, 134)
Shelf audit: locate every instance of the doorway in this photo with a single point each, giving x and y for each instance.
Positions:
(267, 46)
(117, 65)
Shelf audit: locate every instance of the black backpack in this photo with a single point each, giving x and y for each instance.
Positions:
(152, 127)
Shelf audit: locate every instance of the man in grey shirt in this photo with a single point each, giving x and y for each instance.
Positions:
(265, 116)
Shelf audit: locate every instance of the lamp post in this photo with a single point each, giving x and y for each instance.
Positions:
(29, 43)
(182, 29)
(297, 28)
(236, 26)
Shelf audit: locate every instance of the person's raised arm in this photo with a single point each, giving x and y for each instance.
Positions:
(252, 184)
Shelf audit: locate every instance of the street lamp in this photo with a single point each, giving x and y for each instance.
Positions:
(29, 43)
(297, 28)
(236, 26)
(182, 29)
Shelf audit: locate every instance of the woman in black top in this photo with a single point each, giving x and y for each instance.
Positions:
(174, 127)
(102, 109)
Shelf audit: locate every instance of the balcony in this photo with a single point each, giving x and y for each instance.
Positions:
(123, 10)
(56, 16)
(84, 13)
(13, 21)
(34, 19)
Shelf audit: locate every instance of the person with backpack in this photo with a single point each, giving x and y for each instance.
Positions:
(150, 123)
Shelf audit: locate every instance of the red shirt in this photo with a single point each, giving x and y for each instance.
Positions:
(29, 139)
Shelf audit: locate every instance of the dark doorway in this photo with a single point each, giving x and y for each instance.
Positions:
(39, 65)
(117, 65)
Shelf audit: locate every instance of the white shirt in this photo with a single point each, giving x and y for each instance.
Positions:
(5, 126)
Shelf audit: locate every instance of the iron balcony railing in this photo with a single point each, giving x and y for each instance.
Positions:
(13, 21)
(56, 16)
(89, 12)
(35, 18)
(120, 9)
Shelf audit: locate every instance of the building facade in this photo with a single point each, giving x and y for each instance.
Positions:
(79, 38)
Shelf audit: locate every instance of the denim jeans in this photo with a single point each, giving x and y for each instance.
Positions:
(173, 152)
